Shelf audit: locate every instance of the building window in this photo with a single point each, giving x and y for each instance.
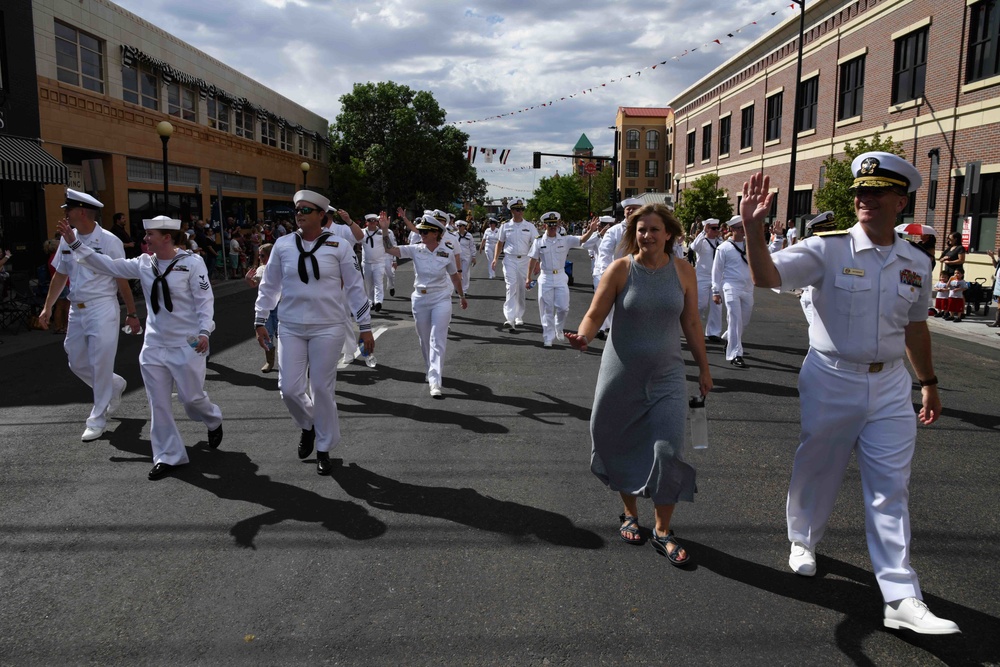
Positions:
(652, 140)
(909, 67)
(983, 209)
(631, 169)
(725, 127)
(706, 142)
(140, 85)
(285, 138)
(652, 168)
(79, 58)
(808, 99)
(181, 102)
(268, 133)
(244, 124)
(149, 171)
(302, 145)
(852, 88)
(670, 152)
(317, 151)
(746, 127)
(632, 140)
(218, 115)
(773, 129)
(984, 41)
(802, 202)
(631, 192)
(690, 148)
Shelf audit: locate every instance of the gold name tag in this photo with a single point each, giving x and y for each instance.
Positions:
(853, 272)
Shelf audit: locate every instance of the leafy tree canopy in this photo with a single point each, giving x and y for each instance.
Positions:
(390, 147)
(565, 194)
(835, 195)
(704, 199)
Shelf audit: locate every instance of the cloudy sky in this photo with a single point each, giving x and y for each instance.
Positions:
(479, 58)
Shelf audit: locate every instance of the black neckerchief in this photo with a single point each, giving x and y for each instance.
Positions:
(160, 282)
(371, 238)
(743, 253)
(303, 274)
(713, 247)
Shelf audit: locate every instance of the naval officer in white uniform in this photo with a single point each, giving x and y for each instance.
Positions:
(705, 245)
(178, 324)
(467, 250)
(374, 254)
(489, 245)
(514, 241)
(92, 334)
(731, 283)
(870, 292)
(316, 277)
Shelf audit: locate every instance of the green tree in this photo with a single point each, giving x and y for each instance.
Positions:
(564, 194)
(394, 140)
(602, 184)
(704, 199)
(836, 195)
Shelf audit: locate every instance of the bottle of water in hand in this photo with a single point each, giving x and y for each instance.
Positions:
(193, 341)
(370, 360)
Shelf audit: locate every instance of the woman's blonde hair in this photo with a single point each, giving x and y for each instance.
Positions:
(670, 224)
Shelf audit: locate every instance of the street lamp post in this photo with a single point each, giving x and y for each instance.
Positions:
(677, 190)
(165, 129)
(305, 174)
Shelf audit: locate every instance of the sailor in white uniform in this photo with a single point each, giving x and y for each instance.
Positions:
(178, 324)
(593, 243)
(467, 248)
(373, 251)
(489, 245)
(318, 281)
(92, 334)
(731, 283)
(870, 291)
(548, 261)
(705, 245)
(434, 277)
(514, 240)
(610, 250)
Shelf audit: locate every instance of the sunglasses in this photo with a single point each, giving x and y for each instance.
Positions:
(872, 192)
(305, 210)
(425, 232)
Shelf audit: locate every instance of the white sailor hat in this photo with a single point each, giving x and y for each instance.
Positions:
(735, 221)
(82, 199)
(462, 223)
(162, 223)
(314, 198)
(371, 216)
(822, 219)
(711, 222)
(631, 201)
(438, 214)
(550, 218)
(884, 170)
(491, 220)
(429, 222)
(516, 201)
(606, 220)
(451, 217)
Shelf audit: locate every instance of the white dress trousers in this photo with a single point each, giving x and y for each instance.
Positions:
(374, 280)
(739, 308)
(711, 312)
(307, 377)
(390, 271)
(870, 414)
(162, 369)
(515, 274)
(91, 343)
(431, 317)
(553, 303)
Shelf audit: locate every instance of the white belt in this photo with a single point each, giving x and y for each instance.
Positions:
(873, 367)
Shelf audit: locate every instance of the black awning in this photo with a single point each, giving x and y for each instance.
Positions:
(23, 159)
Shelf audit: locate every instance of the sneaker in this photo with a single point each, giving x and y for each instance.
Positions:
(116, 397)
(435, 390)
(802, 560)
(913, 614)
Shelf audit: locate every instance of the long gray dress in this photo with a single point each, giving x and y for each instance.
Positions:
(640, 404)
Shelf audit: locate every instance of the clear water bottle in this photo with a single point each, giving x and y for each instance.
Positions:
(193, 341)
(532, 284)
(370, 360)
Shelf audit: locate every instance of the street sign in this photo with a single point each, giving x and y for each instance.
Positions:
(590, 168)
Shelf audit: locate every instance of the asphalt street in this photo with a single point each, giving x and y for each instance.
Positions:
(468, 530)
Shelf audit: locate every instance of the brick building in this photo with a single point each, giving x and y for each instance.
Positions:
(100, 81)
(643, 136)
(924, 72)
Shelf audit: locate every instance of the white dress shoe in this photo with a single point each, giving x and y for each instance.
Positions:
(802, 560)
(91, 434)
(518, 322)
(560, 336)
(547, 343)
(435, 390)
(116, 397)
(913, 614)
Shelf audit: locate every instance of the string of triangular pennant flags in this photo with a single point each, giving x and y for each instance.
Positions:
(505, 188)
(480, 170)
(488, 154)
(596, 87)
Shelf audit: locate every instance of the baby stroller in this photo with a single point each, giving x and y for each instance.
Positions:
(977, 295)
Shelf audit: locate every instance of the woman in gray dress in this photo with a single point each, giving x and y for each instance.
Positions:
(641, 401)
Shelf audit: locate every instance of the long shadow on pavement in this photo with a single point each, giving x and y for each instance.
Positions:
(858, 599)
(233, 476)
(464, 506)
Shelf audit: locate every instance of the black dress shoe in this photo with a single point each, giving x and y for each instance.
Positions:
(714, 339)
(601, 335)
(738, 362)
(392, 291)
(306, 442)
(323, 464)
(161, 470)
(215, 438)
(378, 307)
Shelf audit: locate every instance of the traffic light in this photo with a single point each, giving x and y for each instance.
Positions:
(600, 165)
(536, 160)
